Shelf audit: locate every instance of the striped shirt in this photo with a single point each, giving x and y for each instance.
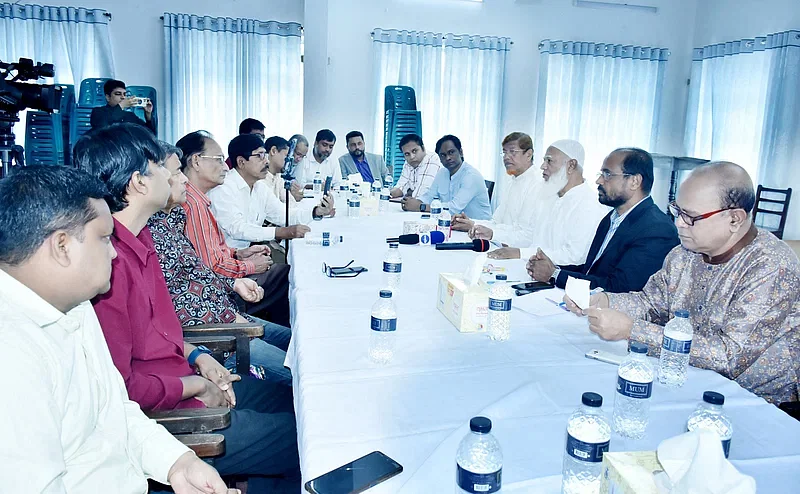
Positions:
(419, 179)
(203, 232)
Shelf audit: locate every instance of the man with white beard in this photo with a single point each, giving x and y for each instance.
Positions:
(569, 210)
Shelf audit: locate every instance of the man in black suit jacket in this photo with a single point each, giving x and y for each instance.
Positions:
(114, 111)
(631, 241)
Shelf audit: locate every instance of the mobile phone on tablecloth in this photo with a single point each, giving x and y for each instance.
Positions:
(356, 476)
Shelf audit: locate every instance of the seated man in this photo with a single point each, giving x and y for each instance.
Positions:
(320, 161)
(569, 212)
(70, 426)
(200, 295)
(741, 286)
(419, 170)
(458, 185)
(244, 202)
(370, 166)
(249, 126)
(203, 165)
(631, 241)
(145, 338)
(114, 111)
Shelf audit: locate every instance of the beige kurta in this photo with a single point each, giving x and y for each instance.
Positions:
(745, 313)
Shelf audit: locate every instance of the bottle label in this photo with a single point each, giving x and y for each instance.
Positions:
(436, 211)
(326, 242)
(499, 305)
(726, 446)
(632, 389)
(384, 197)
(588, 452)
(355, 204)
(677, 346)
(478, 482)
(383, 325)
(424, 239)
(392, 267)
(444, 223)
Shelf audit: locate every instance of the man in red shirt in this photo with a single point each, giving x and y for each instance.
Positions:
(145, 337)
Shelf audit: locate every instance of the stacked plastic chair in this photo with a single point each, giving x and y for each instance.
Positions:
(144, 92)
(44, 139)
(401, 119)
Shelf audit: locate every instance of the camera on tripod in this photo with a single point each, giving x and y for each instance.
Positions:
(17, 95)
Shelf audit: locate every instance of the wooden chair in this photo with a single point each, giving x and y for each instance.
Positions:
(241, 332)
(781, 207)
(489, 188)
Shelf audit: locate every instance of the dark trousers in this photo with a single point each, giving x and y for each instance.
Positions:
(261, 442)
(274, 307)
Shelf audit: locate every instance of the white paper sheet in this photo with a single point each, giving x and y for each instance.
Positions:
(543, 303)
(578, 291)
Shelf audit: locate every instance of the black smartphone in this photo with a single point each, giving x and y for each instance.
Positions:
(327, 186)
(356, 476)
(532, 286)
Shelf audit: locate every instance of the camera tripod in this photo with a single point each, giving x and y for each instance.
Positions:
(10, 153)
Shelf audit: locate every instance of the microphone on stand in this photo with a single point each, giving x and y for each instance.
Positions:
(433, 238)
(477, 245)
(288, 177)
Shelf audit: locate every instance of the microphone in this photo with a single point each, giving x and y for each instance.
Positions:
(434, 237)
(289, 164)
(477, 245)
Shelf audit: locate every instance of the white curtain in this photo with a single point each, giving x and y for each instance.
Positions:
(219, 71)
(744, 106)
(604, 96)
(458, 81)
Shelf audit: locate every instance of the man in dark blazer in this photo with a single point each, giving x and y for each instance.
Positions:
(114, 111)
(631, 241)
(370, 166)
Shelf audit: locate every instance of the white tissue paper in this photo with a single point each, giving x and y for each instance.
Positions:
(473, 272)
(579, 291)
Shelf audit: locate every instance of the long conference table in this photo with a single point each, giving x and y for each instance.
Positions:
(417, 408)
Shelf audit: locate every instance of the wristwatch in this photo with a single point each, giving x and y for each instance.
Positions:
(554, 278)
(422, 208)
(199, 350)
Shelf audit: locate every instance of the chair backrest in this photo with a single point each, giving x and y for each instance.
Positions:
(489, 188)
(397, 124)
(91, 93)
(66, 110)
(80, 123)
(399, 98)
(772, 203)
(44, 139)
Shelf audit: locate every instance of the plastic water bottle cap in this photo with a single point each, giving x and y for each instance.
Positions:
(341, 238)
(501, 277)
(638, 347)
(682, 313)
(592, 400)
(481, 425)
(394, 246)
(714, 398)
(386, 294)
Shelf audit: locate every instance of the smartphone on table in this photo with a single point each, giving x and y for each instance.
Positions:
(356, 476)
(531, 287)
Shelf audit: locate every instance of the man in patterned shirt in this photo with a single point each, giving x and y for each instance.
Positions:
(419, 170)
(199, 295)
(741, 286)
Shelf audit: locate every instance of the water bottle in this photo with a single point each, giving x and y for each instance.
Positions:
(383, 205)
(588, 437)
(479, 460)
(710, 415)
(354, 205)
(392, 267)
(383, 325)
(436, 210)
(634, 387)
(317, 183)
(388, 181)
(376, 189)
(498, 321)
(443, 224)
(344, 192)
(325, 240)
(674, 361)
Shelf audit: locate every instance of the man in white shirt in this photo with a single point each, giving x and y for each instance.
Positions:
(520, 205)
(70, 426)
(419, 169)
(277, 148)
(320, 161)
(569, 210)
(244, 201)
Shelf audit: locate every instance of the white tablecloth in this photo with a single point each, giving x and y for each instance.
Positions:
(417, 408)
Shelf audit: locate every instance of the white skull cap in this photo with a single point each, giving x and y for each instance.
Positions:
(572, 149)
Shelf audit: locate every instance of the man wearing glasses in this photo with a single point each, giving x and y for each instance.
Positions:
(632, 240)
(741, 286)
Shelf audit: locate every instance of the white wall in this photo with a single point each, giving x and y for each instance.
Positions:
(727, 20)
(137, 32)
(348, 97)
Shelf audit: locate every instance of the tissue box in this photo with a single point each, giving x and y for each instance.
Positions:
(419, 227)
(630, 473)
(369, 206)
(463, 305)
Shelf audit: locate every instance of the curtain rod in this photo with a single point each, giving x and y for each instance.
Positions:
(302, 29)
(457, 36)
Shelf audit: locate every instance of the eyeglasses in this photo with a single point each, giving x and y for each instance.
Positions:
(607, 175)
(676, 211)
(511, 152)
(219, 158)
(343, 271)
(261, 155)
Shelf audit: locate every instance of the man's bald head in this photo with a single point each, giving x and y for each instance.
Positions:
(733, 182)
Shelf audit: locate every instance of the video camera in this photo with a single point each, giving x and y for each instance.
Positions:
(17, 95)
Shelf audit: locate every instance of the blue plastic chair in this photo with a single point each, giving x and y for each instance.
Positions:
(65, 112)
(145, 92)
(80, 123)
(92, 94)
(399, 98)
(44, 139)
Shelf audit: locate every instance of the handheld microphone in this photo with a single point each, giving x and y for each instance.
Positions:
(477, 245)
(433, 237)
(289, 164)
